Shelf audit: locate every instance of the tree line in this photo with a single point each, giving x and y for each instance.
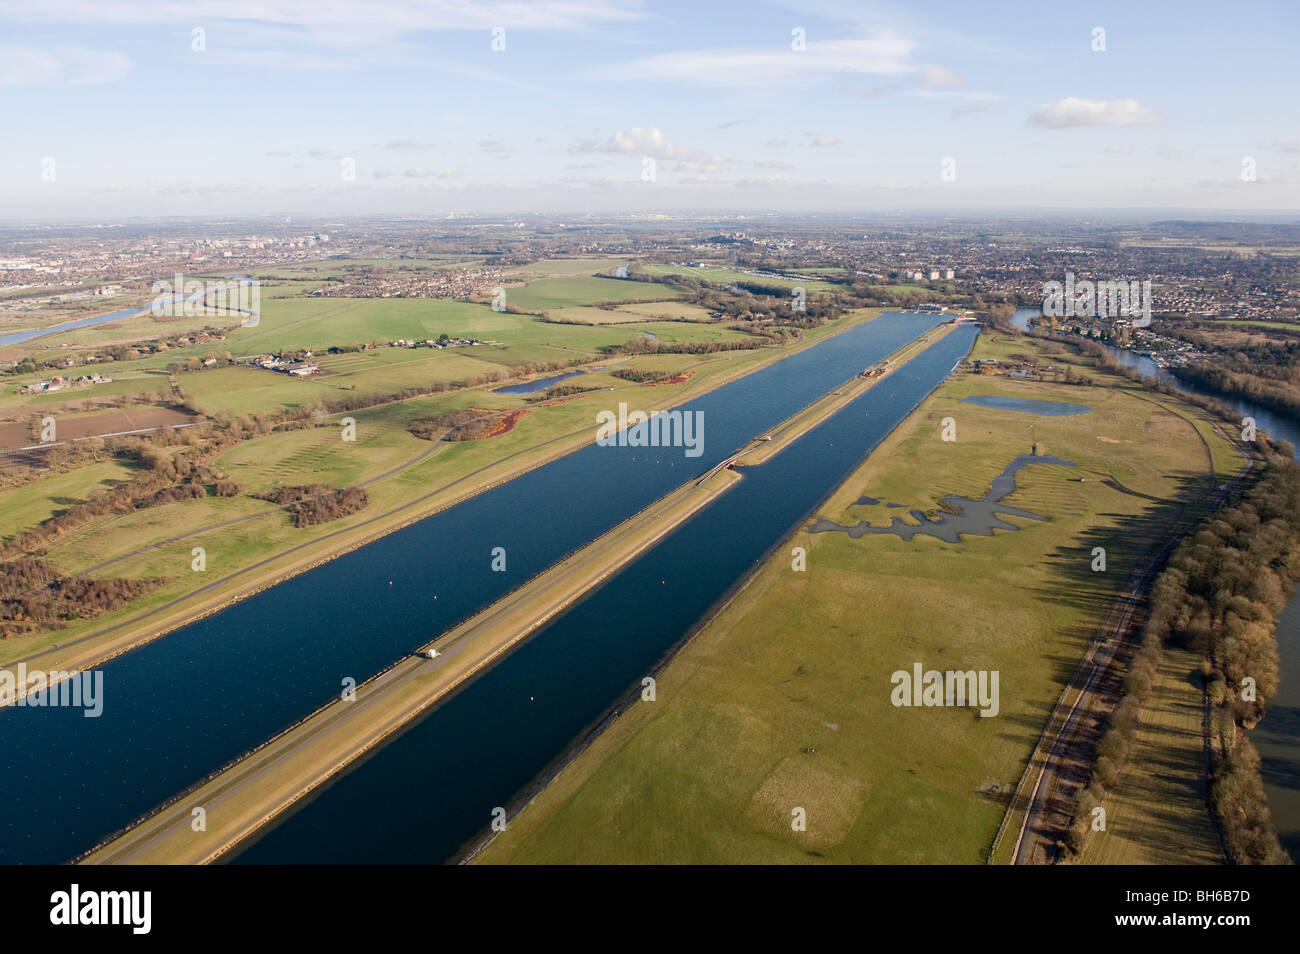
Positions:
(311, 504)
(35, 598)
(1219, 596)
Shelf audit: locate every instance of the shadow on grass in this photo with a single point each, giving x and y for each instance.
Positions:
(1136, 548)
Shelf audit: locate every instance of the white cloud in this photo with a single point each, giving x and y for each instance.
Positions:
(419, 173)
(28, 66)
(394, 16)
(1073, 111)
(1283, 145)
(1119, 150)
(970, 109)
(937, 76)
(645, 142)
(700, 165)
(880, 53)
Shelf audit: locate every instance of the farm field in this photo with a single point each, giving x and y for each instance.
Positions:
(588, 315)
(567, 267)
(783, 699)
(674, 310)
(317, 324)
(905, 288)
(130, 383)
(631, 312)
(524, 340)
(545, 293)
(340, 267)
(404, 476)
(717, 275)
(1288, 326)
(99, 423)
(25, 507)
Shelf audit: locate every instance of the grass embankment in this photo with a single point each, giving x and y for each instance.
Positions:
(783, 699)
(245, 796)
(248, 794)
(250, 545)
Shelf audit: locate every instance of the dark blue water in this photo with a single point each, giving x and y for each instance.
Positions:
(190, 702)
(541, 384)
(1024, 405)
(419, 799)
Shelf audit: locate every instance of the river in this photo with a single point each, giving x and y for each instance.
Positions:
(424, 795)
(18, 337)
(186, 704)
(1278, 736)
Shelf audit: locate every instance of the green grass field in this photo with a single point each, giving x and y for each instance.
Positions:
(523, 339)
(383, 445)
(1156, 814)
(25, 507)
(719, 275)
(632, 312)
(782, 701)
(547, 293)
(567, 267)
(1290, 326)
(318, 323)
(130, 383)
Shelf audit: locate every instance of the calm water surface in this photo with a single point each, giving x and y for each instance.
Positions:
(186, 704)
(424, 795)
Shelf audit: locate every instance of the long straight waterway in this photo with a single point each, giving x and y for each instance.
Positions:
(428, 792)
(183, 706)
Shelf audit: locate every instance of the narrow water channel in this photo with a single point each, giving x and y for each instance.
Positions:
(433, 788)
(188, 703)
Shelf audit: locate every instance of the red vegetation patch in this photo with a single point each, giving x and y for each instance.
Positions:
(560, 400)
(680, 379)
(506, 424)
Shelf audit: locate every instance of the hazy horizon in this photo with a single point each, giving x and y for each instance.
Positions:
(146, 109)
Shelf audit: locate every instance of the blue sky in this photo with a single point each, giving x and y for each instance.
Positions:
(589, 96)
